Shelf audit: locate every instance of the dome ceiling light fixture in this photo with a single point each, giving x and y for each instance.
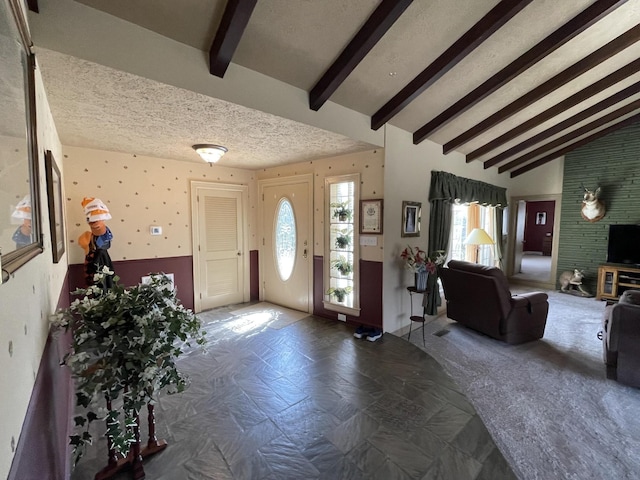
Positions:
(209, 152)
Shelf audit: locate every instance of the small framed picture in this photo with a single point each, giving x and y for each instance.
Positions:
(56, 210)
(411, 213)
(541, 218)
(371, 216)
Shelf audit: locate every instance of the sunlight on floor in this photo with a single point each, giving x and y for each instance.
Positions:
(261, 315)
(252, 321)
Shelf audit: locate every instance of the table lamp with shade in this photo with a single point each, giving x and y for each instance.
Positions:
(478, 237)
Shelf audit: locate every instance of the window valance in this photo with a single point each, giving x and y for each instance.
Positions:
(446, 186)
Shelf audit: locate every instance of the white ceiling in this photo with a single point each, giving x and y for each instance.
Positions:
(295, 41)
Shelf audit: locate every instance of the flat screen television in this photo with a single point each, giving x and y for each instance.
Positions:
(624, 244)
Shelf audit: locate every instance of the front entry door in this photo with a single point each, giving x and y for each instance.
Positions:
(220, 259)
(286, 252)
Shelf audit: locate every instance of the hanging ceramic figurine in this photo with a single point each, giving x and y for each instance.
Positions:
(96, 243)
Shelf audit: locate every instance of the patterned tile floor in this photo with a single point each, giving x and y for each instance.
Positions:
(310, 401)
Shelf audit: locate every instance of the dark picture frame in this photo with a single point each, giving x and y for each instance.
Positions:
(56, 209)
(411, 216)
(371, 216)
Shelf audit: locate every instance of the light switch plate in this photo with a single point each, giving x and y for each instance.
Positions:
(368, 240)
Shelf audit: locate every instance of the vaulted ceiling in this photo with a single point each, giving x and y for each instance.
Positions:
(513, 84)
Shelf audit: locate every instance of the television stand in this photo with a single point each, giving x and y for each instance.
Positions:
(614, 279)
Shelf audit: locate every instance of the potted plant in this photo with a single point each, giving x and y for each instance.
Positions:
(340, 293)
(342, 211)
(125, 342)
(342, 265)
(343, 239)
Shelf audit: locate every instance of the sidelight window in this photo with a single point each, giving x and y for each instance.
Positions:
(341, 252)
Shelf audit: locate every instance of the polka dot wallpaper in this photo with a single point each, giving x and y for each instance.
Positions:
(370, 165)
(140, 192)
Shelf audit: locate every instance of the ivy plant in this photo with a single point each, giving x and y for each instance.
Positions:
(125, 345)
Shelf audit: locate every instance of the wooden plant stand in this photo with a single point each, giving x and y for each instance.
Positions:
(136, 455)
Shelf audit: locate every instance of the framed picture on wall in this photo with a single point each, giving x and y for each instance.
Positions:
(541, 218)
(371, 216)
(411, 212)
(56, 213)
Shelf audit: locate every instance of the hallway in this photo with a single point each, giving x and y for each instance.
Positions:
(535, 268)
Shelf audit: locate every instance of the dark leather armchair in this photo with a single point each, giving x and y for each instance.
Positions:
(479, 298)
(621, 339)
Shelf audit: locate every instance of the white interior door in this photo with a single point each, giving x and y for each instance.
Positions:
(219, 245)
(286, 253)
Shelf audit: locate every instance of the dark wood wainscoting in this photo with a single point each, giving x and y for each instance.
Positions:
(43, 450)
(254, 275)
(132, 271)
(370, 293)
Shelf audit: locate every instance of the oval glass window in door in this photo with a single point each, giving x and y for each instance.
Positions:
(285, 239)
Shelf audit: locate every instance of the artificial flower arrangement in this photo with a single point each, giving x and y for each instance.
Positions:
(125, 344)
(418, 261)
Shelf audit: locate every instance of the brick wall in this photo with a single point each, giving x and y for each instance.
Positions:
(613, 163)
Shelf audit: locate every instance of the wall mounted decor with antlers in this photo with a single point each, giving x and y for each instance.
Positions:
(592, 207)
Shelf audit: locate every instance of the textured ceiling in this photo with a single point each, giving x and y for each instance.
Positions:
(99, 107)
(296, 41)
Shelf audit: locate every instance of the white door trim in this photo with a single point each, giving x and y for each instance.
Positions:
(271, 182)
(513, 222)
(197, 186)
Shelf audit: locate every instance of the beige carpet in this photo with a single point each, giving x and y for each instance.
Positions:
(535, 268)
(547, 404)
(268, 314)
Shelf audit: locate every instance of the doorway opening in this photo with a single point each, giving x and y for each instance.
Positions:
(534, 227)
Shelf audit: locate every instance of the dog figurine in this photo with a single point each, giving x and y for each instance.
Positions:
(572, 281)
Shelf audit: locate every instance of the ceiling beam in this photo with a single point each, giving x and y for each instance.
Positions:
(569, 122)
(234, 20)
(573, 146)
(589, 127)
(569, 30)
(483, 29)
(605, 52)
(371, 32)
(564, 105)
